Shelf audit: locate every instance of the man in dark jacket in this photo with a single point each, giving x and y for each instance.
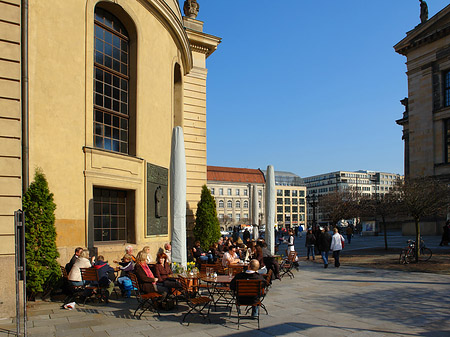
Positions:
(105, 276)
(250, 274)
(324, 244)
(75, 256)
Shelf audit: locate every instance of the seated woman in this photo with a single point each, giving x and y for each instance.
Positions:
(75, 272)
(147, 281)
(214, 251)
(230, 256)
(146, 250)
(259, 256)
(164, 274)
(125, 267)
(199, 255)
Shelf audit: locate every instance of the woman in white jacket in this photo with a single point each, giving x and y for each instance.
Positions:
(336, 246)
(75, 272)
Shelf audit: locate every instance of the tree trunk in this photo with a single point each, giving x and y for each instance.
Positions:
(385, 232)
(417, 247)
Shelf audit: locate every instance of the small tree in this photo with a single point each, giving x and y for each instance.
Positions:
(422, 197)
(40, 236)
(207, 228)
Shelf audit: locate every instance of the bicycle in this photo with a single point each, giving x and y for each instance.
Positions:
(408, 254)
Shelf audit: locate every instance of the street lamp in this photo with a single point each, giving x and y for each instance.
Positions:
(313, 201)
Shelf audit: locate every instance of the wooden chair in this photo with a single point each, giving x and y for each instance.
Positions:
(145, 301)
(203, 267)
(195, 302)
(287, 265)
(220, 269)
(91, 285)
(249, 293)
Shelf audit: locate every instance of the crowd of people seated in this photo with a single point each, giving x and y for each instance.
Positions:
(229, 251)
(152, 277)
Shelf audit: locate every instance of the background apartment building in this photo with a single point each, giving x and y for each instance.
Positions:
(291, 203)
(366, 182)
(232, 189)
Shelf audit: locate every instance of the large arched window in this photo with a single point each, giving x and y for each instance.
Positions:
(111, 83)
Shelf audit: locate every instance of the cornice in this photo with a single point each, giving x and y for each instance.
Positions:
(419, 35)
(202, 42)
(166, 16)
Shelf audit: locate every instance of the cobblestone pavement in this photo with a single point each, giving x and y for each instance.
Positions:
(345, 301)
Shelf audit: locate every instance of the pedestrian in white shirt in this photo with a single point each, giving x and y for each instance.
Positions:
(336, 246)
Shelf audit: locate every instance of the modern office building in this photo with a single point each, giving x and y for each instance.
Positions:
(365, 182)
(90, 92)
(291, 207)
(233, 189)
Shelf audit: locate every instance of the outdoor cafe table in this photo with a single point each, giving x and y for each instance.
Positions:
(219, 289)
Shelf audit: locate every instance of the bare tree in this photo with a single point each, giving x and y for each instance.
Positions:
(422, 197)
(379, 205)
(338, 205)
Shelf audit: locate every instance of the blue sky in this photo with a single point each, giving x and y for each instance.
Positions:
(307, 86)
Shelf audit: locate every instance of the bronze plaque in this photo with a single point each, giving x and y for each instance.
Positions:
(157, 200)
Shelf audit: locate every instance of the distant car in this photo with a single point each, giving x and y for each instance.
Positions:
(227, 233)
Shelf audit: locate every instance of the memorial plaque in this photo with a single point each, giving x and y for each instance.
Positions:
(157, 200)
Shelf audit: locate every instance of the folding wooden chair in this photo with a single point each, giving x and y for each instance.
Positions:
(91, 285)
(248, 293)
(145, 301)
(220, 269)
(193, 299)
(287, 265)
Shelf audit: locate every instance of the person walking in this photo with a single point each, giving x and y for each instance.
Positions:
(445, 234)
(336, 246)
(349, 233)
(309, 244)
(324, 244)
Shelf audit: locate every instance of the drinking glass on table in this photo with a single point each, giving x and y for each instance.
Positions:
(208, 273)
(230, 272)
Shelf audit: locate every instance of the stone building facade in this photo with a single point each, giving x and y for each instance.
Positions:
(426, 119)
(233, 190)
(108, 81)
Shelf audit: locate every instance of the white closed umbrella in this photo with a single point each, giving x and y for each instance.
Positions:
(178, 197)
(270, 209)
(255, 212)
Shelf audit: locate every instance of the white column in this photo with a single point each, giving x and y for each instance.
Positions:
(255, 212)
(270, 209)
(178, 197)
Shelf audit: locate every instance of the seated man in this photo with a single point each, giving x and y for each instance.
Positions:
(75, 256)
(199, 255)
(168, 252)
(250, 274)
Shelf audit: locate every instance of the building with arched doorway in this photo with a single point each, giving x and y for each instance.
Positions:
(90, 92)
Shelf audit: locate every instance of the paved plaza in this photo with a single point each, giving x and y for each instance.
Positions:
(345, 301)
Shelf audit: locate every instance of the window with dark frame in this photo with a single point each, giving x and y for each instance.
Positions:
(111, 83)
(447, 140)
(110, 215)
(447, 88)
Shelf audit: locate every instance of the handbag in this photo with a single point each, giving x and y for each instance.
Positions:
(342, 242)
